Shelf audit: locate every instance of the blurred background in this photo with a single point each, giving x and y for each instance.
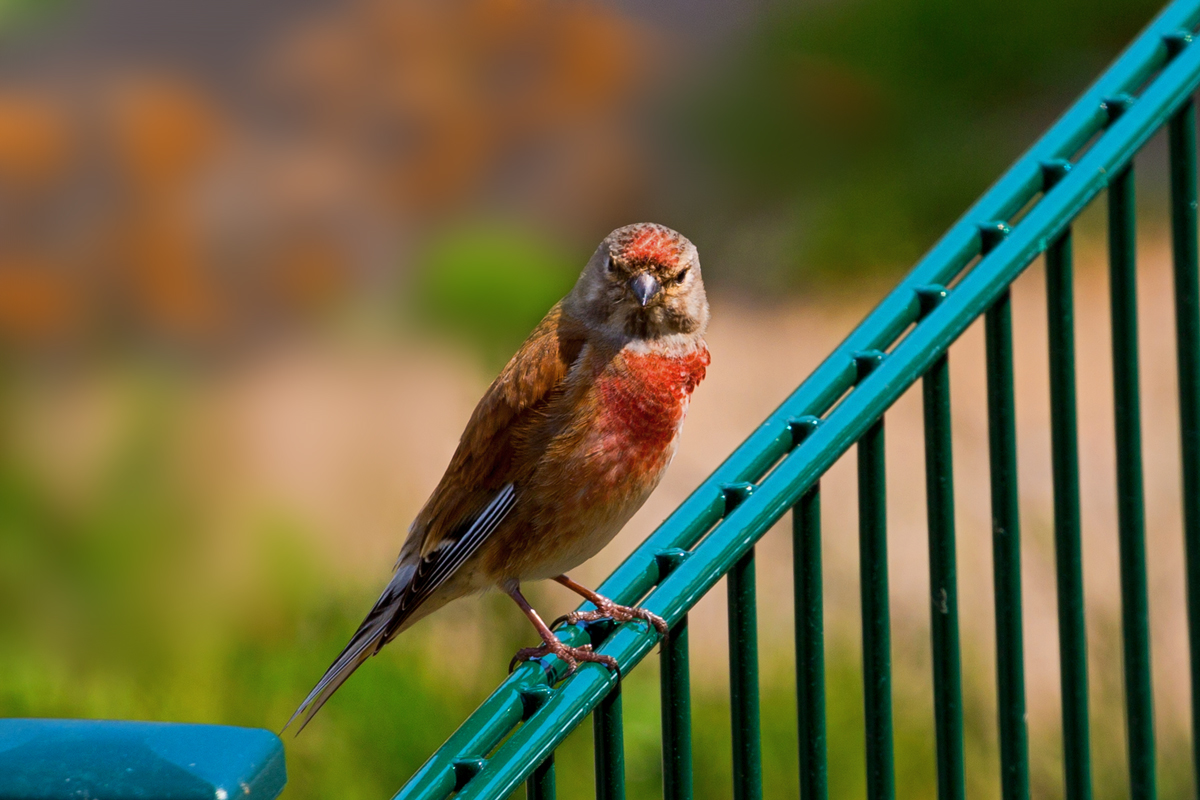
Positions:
(258, 261)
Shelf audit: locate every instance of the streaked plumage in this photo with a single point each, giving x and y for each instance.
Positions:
(562, 450)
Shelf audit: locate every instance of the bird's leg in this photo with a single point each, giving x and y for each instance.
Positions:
(607, 609)
(551, 643)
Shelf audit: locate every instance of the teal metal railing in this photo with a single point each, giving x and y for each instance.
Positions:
(512, 737)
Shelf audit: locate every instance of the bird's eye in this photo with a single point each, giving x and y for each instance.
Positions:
(681, 275)
(609, 264)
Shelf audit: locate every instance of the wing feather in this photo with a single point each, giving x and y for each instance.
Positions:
(484, 460)
(434, 568)
(479, 491)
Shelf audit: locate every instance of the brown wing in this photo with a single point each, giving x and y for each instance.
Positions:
(480, 487)
(483, 464)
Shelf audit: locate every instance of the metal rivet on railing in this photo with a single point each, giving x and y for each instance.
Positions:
(597, 630)
(1054, 171)
(1116, 105)
(533, 698)
(735, 494)
(667, 560)
(991, 234)
(802, 427)
(1176, 41)
(930, 297)
(465, 769)
(865, 361)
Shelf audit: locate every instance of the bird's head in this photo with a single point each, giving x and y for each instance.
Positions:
(643, 282)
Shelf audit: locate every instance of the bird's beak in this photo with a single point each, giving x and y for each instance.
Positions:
(644, 286)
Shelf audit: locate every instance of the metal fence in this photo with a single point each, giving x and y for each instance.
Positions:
(512, 737)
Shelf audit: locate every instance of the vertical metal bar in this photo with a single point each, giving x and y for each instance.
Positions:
(743, 680)
(676, 714)
(610, 747)
(1006, 552)
(1135, 613)
(943, 581)
(810, 643)
(1064, 445)
(877, 659)
(540, 785)
(1182, 146)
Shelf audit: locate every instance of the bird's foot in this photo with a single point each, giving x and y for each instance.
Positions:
(607, 609)
(572, 656)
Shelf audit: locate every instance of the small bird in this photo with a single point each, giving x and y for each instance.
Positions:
(567, 443)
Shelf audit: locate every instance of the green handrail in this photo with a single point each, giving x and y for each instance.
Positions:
(511, 738)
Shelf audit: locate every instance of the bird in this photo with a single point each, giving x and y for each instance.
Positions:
(565, 446)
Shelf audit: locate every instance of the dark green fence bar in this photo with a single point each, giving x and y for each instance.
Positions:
(718, 533)
(810, 634)
(1182, 146)
(943, 581)
(1131, 512)
(877, 656)
(610, 747)
(1006, 552)
(540, 785)
(1064, 449)
(743, 680)
(676, 714)
(876, 623)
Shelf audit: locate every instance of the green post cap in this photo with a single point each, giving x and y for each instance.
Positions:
(55, 759)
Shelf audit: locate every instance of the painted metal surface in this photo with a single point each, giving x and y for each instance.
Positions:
(810, 635)
(610, 747)
(1131, 505)
(743, 680)
(48, 759)
(1182, 146)
(1006, 552)
(873, 584)
(1068, 555)
(676, 714)
(943, 582)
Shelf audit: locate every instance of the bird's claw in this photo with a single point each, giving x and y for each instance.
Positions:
(617, 613)
(571, 656)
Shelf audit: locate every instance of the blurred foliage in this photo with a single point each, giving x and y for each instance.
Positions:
(863, 128)
(17, 15)
(148, 202)
(491, 285)
(110, 611)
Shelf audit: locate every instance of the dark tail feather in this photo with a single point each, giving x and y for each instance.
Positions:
(334, 677)
(371, 635)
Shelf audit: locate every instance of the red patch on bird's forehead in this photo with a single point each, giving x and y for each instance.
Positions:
(651, 243)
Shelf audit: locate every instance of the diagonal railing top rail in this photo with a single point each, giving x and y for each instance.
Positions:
(512, 736)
